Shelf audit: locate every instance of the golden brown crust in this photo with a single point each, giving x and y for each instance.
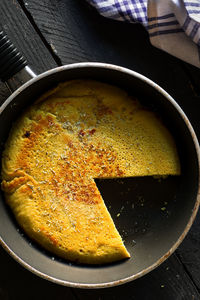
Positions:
(80, 131)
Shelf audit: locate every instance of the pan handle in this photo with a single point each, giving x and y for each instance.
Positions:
(13, 66)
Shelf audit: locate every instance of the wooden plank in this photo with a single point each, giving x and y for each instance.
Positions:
(65, 42)
(189, 252)
(15, 23)
(169, 281)
(18, 28)
(18, 283)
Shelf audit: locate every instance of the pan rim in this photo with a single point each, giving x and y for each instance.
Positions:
(195, 142)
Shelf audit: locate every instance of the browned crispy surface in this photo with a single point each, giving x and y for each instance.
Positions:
(80, 131)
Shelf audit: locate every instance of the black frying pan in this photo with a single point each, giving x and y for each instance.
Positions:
(152, 216)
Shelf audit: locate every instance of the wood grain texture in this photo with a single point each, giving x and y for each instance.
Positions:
(168, 282)
(189, 252)
(58, 25)
(18, 28)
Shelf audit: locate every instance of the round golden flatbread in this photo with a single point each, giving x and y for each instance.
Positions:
(80, 131)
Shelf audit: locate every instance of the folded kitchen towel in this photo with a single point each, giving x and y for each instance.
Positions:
(173, 25)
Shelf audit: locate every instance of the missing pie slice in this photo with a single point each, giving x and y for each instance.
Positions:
(77, 132)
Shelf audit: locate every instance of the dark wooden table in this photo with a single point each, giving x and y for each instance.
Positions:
(57, 32)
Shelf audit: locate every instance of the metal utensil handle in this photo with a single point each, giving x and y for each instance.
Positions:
(13, 66)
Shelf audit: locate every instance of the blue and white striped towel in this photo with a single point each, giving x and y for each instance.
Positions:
(173, 25)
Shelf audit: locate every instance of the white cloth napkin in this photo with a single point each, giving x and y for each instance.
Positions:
(173, 25)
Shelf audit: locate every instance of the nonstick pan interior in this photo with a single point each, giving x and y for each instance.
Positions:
(152, 215)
